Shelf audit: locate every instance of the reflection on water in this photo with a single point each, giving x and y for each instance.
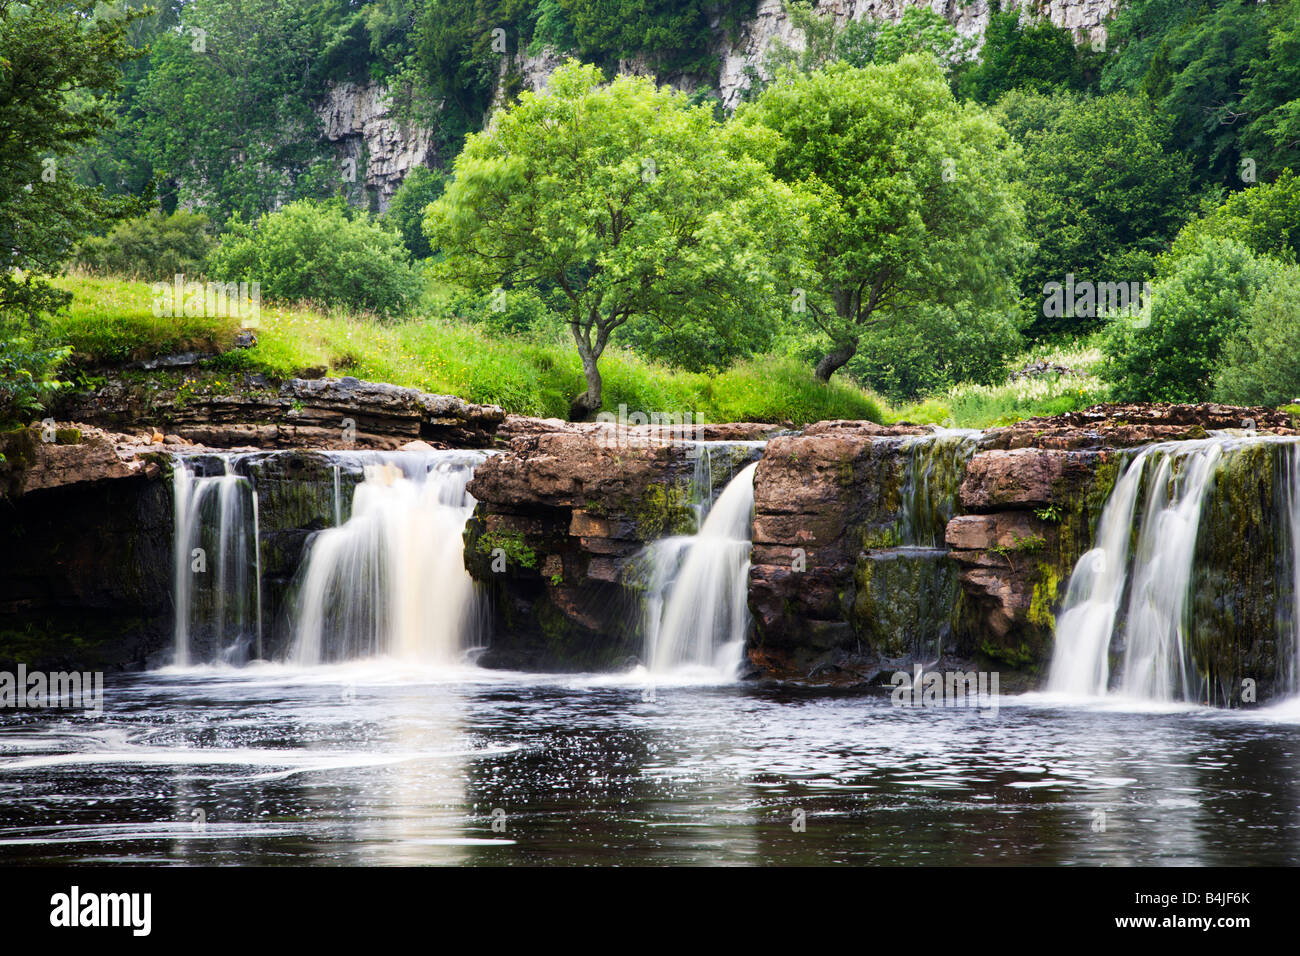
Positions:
(375, 764)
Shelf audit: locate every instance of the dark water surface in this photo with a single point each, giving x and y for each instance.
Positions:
(373, 764)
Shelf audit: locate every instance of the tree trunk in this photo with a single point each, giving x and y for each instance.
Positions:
(587, 404)
(835, 359)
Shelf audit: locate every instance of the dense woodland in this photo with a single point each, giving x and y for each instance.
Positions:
(890, 225)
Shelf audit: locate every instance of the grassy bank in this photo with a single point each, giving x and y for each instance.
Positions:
(112, 320)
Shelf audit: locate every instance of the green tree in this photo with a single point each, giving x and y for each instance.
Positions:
(1264, 218)
(915, 203)
(1171, 352)
(1028, 54)
(153, 247)
(405, 211)
(1194, 60)
(618, 202)
(1261, 363)
(319, 252)
(1105, 192)
(226, 115)
(60, 63)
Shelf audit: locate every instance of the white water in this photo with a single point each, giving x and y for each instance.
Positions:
(216, 566)
(1151, 586)
(391, 580)
(697, 608)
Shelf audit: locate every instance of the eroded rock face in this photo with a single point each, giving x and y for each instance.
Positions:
(376, 146)
(333, 413)
(848, 574)
(560, 519)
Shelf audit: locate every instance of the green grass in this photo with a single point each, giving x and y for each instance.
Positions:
(985, 406)
(111, 320)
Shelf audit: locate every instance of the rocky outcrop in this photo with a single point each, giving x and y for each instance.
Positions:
(743, 58)
(847, 559)
(560, 520)
(376, 147)
(318, 413)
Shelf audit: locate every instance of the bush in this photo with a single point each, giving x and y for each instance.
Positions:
(319, 252)
(1194, 310)
(153, 247)
(405, 213)
(504, 312)
(1264, 218)
(28, 365)
(935, 349)
(1261, 364)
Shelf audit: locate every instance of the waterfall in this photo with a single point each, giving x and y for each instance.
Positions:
(696, 609)
(216, 565)
(391, 580)
(935, 466)
(1137, 594)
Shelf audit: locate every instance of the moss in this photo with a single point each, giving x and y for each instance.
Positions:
(512, 544)
(1043, 601)
(67, 436)
(662, 510)
(1018, 657)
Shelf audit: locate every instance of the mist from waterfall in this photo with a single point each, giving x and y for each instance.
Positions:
(391, 580)
(696, 606)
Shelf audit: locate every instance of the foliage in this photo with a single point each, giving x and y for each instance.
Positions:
(319, 252)
(1105, 192)
(859, 42)
(1171, 352)
(405, 212)
(1029, 55)
(1261, 364)
(616, 203)
(936, 347)
(1264, 218)
(154, 247)
(1223, 71)
(914, 203)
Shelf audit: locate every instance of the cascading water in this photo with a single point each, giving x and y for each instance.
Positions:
(391, 580)
(1136, 595)
(696, 609)
(217, 581)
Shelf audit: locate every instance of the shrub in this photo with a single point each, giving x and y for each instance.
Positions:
(1261, 364)
(319, 252)
(405, 213)
(936, 349)
(28, 366)
(153, 247)
(1171, 353)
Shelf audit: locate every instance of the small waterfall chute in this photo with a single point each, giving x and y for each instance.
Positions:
(217, 565)
(696, 606)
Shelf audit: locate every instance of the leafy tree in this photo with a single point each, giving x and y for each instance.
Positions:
(915, 203)
(616, 203)
(59, 65)
(1171, 352)
(405, 211)
(153, 247)
(319, 252)
(1261, 363)
(226, 108)
(1264, 218)
(1105, 192)
(1272, 97)
(1194, 60)
(1030, 55)
(935, 348)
